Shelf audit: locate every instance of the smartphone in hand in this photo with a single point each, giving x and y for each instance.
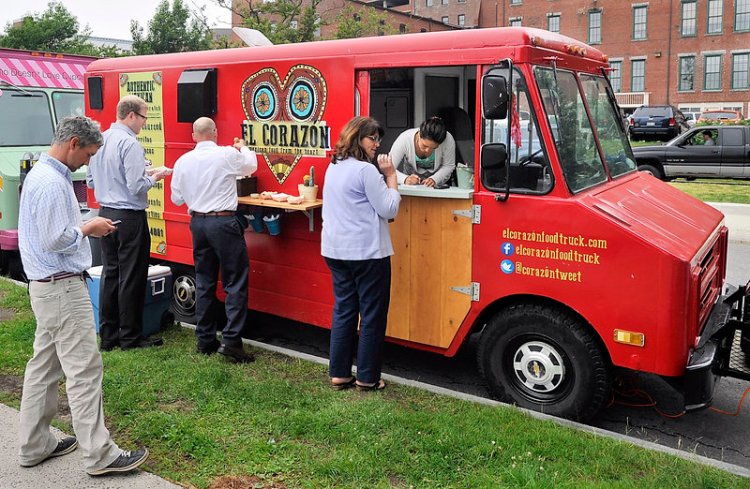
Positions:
(115, 223)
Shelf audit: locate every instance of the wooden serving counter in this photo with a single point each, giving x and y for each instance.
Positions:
(307, 208)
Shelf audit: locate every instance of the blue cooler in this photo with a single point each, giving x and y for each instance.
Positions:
(158, 296)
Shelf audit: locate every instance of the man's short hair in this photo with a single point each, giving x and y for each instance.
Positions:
(86, 130)
(128, 104)
(708, 133)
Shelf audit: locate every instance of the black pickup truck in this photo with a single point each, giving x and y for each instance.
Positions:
(692, 154)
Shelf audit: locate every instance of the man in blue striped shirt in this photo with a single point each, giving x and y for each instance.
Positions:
(55, 254)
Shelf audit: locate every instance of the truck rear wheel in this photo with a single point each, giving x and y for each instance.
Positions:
(183, 293)
(544, 359)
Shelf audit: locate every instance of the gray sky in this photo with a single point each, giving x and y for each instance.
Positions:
(108, 18)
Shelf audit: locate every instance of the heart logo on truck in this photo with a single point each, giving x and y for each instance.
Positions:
(283, 118)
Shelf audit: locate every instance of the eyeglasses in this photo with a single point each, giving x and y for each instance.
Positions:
(375, 138)
(141, 115)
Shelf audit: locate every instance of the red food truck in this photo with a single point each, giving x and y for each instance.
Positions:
(559, 253)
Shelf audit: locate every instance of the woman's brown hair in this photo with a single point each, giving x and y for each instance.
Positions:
(354, 130)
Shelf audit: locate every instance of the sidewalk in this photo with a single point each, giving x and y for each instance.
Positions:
(737, 220)
(60, 472)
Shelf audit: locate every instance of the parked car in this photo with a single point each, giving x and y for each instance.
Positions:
(691, 117)
(692, 155)
(657, 121)
(721, 116)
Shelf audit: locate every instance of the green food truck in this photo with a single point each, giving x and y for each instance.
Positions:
(37, 89)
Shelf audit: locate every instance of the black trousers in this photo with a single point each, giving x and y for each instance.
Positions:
(122, 290)
(219, 244)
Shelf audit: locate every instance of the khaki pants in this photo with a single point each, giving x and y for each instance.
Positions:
(64, 344)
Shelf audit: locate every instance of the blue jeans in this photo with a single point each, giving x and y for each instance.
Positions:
(362, 291)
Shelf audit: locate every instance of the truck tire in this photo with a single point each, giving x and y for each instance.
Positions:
(184, 293)
(651, 170)
(545, 359)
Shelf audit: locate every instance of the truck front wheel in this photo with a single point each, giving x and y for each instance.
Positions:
(544, 359)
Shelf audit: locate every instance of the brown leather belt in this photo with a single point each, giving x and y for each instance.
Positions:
(62, 275)
(213, 214)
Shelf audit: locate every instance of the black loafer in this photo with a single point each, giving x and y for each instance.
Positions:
(236, 354)
(64, 447)
(127, 461)
(144, 343)
(208, 349)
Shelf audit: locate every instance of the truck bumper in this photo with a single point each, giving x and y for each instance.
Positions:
(723, 349)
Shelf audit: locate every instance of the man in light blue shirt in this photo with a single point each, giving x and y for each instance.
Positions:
(55, 254)
(118, 176)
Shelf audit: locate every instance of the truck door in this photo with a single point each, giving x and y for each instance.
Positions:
(734, 151)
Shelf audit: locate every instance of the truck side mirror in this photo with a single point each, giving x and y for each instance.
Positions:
(494, 156)
(494, 97)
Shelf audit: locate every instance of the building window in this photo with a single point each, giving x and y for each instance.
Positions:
(595, 26)
(444, 19)
(687, 73)
(294, 24)
(461, 19)
(515, 21)
(615, 75)
(640, 16)
(715, 16)
(429, 3)
(687, 27)
(742, 15)
(553, 22)
(740, 71)
(461, 1)
(402, 28)
(712, 72)
(638, 75)
(444, 2)
(516, 2)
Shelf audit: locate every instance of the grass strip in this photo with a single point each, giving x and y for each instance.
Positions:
(278, 421)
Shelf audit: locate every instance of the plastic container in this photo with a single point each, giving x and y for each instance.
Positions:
(273, 223)
(465, 177)
(158, 296)
(256, 222)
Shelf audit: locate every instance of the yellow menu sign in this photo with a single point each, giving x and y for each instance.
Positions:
(148, 86)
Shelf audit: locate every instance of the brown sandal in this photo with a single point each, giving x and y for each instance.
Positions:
(377, 386)
(340, 386)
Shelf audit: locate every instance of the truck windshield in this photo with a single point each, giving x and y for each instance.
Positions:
(575, 137)
(67, 103)
(614, 142)
(25, 118)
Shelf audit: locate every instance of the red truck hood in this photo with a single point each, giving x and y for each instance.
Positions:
(659, 213)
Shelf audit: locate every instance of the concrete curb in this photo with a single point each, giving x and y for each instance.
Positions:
(737, 219)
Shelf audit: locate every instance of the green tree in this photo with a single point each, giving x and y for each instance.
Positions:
(281, 21)
(172, 30)
(55, 29)
(361, 22)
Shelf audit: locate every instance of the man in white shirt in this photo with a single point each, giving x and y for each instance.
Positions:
(205, 179)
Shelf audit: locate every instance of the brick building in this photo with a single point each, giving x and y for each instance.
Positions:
(694, 54)
(397, 16)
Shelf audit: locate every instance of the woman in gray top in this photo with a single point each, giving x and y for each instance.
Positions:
(358, 200)
(425, 155)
